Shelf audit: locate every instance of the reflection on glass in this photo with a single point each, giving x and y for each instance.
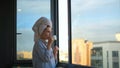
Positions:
(98, 22)
(63, 31)
(97, 57)
(28, 11)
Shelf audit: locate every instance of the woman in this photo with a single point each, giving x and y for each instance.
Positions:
(43, 55)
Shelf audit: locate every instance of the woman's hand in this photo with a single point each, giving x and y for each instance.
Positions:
(50, 41)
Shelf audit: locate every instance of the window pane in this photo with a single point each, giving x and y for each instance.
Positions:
(63, 31)
(95, 32)
(114, 53)
(115, 65)
(28, 11)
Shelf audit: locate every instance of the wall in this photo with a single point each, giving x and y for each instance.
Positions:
(7, 33)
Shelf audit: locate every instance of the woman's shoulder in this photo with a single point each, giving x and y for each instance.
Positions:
(40, 43)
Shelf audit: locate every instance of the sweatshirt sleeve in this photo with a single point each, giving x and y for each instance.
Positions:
(43, 53)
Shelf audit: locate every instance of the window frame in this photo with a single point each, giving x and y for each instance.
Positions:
(69, 33)
(70, 37)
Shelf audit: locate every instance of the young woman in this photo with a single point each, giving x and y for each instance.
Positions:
(43, 55)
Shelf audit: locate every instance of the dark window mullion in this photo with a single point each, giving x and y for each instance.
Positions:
(69, 32)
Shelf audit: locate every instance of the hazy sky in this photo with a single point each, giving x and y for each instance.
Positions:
(95, 20)
(28, 11)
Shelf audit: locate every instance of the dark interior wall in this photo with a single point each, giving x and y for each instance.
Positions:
(7, 32)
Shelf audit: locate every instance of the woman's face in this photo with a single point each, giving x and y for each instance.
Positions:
(46, 33)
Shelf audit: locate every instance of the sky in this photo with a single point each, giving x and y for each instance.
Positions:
(28, 11)
(94, 20)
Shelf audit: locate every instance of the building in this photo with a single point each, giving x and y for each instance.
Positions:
(81, 52)
(117, 35)
(106, 54)
(24, 55)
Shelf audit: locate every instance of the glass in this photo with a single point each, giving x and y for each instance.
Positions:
(114, 53)
(95, 32)
(115, 65)
(97, 57)
(63, 31)
(28, 11)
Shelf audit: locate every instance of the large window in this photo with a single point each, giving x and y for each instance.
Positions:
(88, 30)
(28, 11)
(94, 23)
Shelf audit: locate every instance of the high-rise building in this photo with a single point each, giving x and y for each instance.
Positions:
(81, 52)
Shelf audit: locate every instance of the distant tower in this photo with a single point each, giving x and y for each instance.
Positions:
(77, 56)
(81, 52)
(118, 36)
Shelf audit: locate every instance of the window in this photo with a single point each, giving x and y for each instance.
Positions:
(97, 51)
(63, 31)
(114, 53)
(28, 11)
(115, 59)
(96, 21)
(115, 65)
(96, 57)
